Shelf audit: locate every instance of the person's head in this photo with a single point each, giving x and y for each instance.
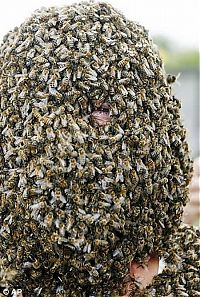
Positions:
(80, 196)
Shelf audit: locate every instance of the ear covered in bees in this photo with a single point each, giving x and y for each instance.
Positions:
(78, 198)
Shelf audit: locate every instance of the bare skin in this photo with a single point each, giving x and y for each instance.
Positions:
(102, 115)
(143, 274)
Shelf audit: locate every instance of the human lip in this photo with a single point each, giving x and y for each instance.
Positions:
(101, 115)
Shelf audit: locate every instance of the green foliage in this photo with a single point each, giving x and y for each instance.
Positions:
(176, 58)
(188, 60)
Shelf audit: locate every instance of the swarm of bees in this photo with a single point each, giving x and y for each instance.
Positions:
(79, 201)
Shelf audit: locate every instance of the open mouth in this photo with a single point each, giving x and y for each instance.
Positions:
(101, 115)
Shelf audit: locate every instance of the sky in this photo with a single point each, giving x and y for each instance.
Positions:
(177, 20)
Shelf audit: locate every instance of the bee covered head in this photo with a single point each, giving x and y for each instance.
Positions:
(94, 162)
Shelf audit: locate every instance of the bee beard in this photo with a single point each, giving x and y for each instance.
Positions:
(120, 209)
(107, 205)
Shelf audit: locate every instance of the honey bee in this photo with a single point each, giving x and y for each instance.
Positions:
(122, 90)
(57, 194)
(22, 156)
(36, 114)
(119, 175)
(82, 124)
(82, 156)
(116, 138)
(91, 74)
(109, 167)
(54, 92)
(50, 133)
(171, 79)
(40, 59)
(124, 63)
(36, 264)
(149, 187)
(83, 101)
(56, 123)
(48, 220)
(72, 165)
(126, 165)
(101, 243)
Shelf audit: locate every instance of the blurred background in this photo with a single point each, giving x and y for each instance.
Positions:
(174, 26)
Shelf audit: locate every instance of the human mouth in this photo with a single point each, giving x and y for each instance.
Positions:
(101, 115)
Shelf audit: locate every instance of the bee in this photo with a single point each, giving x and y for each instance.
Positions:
(148, 187)
(40, 59)
(83, 36)
(131, 107)
(91, 74)
(48, 220)
(62, 65)
(84, 86)
(22, 155)
(108, 169)
(116, 138)
(44, 75)
(103, 68)
(53, 82)
(71, 93)
(91, 169)
(126, 165)
(39, 171)
(25, 44)
(150, 165)
(78, 136)
(64, 85)
(63, 120)
(36, 264)
(70, 41)
(38, 38)
(56, 123)
(122, 90)
(83, 101)
(114, 109)
(66, 26)
(82, 156)
(54, 92)
(140, 167)
(62, 229)
(31, 53)
(171, 79)
(101, 243)
(124, 63)
(57, 194)
(119, 175)
(95, 66)
(79, 72)
(72, 165)
(82, 123)
(50, 133)
(36, 114)
(78, 200)
(155, 154)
